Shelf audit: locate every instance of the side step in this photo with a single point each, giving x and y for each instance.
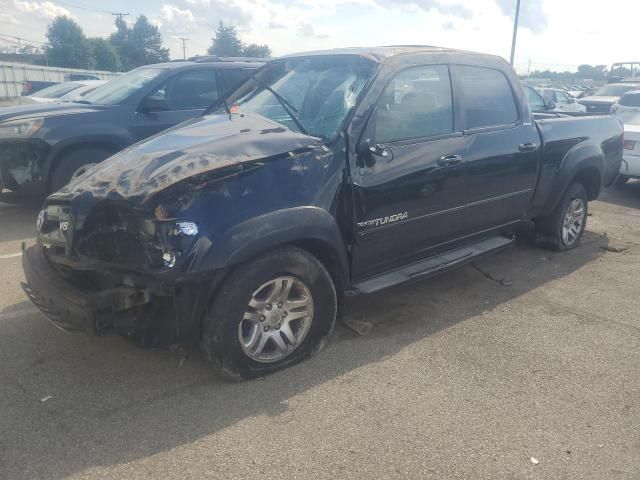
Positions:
(432, 266)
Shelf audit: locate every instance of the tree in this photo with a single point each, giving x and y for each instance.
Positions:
(226, 42)
(140, 45)
(256, 51)
(105, 55)
(68, 46)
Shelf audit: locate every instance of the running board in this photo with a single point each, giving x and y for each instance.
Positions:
(432, 266)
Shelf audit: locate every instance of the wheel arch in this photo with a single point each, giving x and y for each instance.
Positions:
(107, 145)
(584, 164)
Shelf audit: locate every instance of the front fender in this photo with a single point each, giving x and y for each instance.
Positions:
(581, 158)
(252, 237)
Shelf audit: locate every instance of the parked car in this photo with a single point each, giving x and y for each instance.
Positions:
(59, 91)
(325, 174)
(80, 93)
(604, 98)
(628, 111)
(32, 86)
(562, 100)
(43, 146)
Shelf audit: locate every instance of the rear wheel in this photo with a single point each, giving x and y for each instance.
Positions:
(75, 164)
(563, 229)
(270, 314)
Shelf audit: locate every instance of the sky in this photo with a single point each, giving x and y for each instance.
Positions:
(554, 34)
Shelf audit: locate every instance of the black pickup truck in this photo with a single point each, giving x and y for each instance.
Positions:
(325, 174)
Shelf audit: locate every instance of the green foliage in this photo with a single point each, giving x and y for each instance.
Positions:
(68, 46)
(226, 42)
(105, 55)
(140, 45)
(256, 51)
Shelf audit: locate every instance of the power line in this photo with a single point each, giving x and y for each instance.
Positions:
(119, 15)
(80, 7)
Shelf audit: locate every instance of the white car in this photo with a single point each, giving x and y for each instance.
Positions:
(563, 101)
(56, 93)
(628, 110)
(79, 93)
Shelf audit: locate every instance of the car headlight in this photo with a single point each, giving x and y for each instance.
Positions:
(20, 128)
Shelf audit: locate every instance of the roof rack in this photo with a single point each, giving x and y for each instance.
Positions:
(215, 58)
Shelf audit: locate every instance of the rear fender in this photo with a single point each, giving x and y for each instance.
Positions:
(586, 158)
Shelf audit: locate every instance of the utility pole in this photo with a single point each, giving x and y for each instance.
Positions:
(184, 47)
(120, 15)
(515, 32)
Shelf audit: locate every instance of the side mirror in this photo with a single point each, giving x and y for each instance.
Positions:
(551, 105)
(154, 104)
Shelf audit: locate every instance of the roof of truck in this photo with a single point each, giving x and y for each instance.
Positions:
(380, 54)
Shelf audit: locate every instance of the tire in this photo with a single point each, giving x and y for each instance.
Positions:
(553, 233)
(71, 164)
(621, 180)
(231, 321)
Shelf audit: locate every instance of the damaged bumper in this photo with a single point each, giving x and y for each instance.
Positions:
(69, 307)
(23, 168)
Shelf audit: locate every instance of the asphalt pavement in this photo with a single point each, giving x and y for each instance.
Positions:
(525, 365)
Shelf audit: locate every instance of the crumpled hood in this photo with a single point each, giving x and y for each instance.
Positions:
(40, 110)
(198, 146)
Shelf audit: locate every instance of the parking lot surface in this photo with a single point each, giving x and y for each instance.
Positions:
(524, 365)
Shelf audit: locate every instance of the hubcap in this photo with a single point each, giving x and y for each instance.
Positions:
(276, 320)
(82, 170)
(573, 222)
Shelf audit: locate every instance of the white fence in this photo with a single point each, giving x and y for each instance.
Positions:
(13, 75)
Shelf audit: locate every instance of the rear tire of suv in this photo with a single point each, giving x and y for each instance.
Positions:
(562, 230)
(71, 165)
(269, 314)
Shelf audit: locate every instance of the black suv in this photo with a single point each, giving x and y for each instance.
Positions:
(328, 173)
(43, 146)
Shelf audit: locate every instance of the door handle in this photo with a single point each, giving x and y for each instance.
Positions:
(528, 147)
(450, 160)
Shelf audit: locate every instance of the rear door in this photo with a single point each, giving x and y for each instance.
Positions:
(501, 149)
(181, 97)
(409, 190)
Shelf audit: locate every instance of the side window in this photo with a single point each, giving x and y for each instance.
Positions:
(234, 78)
(196, 89)
(561, 97)
(534, 100)
(488, 99)
(417, 103)
(548, 96)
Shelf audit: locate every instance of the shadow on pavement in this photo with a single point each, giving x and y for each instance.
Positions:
(18, 221)
(113, 403)
(627, 195)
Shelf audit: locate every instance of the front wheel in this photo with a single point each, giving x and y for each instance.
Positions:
(269, 314)
(563, 229)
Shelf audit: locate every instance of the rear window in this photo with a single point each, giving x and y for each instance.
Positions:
(630, 100)
(488, 99)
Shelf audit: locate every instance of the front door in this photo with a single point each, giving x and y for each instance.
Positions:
(183, 96)
(409, 190)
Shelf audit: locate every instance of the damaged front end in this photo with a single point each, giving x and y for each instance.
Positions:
(22, 167)
(120, 269)
(137, 246)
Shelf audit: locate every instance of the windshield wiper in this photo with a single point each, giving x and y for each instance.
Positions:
(85, 102)
(290, 109)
